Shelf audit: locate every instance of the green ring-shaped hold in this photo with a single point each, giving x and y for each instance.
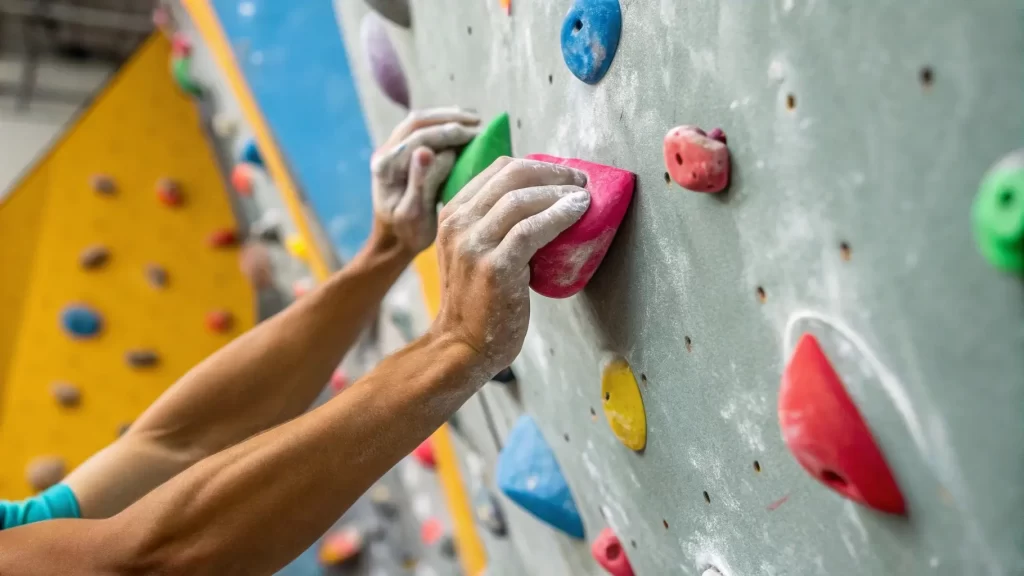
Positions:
(998, 218)
(181, 71)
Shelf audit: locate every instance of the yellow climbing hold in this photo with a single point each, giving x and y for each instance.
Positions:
(297, 247)
(623, 405)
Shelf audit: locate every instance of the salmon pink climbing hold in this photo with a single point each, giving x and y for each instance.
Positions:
(94, 257)
(697, 161)
(219, 321)
(530, 476)
(44, 472)
(339, 380)
(431, 531)
(396, 11)
(590, 37)
(81, 321)
(341, 546)
(181, 45)
(383, 60)
(826, 433)
(242, 179)
(223, 238)
(608, 552)
(563, 267)
(169, 192)
(424, 454)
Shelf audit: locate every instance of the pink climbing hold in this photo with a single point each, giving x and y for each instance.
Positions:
(219, 321)
(697, 161)
(339, 380)
(223, 238)
(241, 179)
(181, 46)
(431, 531)
(826, 433)
(563, 267)
(608, 552)
(424, 454)
(169, 192)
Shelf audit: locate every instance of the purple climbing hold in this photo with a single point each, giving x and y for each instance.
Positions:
(383, 60)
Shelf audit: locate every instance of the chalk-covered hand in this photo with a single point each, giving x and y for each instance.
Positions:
(409, 168)
(488, 233)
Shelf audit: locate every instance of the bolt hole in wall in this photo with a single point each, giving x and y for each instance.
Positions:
(845, 251)
(761, 294)
(633, 544)
(519, 123)
(668, 179)
(757, 466)
(707, 497)
(790, 101)
(927, 76)
(566, 436)
(689, 344)
(551, 78)
(469, 30)
(643, 379)
(664, 523)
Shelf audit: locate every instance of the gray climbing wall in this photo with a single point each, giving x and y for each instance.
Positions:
(863, 125)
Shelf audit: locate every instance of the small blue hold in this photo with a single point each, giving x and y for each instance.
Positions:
(530, 476)
(81, 321)
(251, 153)
(590, 36)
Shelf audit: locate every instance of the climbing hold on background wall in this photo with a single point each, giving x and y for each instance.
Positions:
(241, 179)
(169, 192)
(506, 5)
(45, 471)
(297, 247)
(181, 45)
(162, 18)
(302, 286)
(493, 142)
(402, 320)
(530, 476)
(431, 531)
(341, 546)
(156, 275)
(80, 321)
(505, 376)
(998, 214)
(396, 11)
(563, 267)
(67, 395)
(623, 404)
(224, 125)
(94, 257)
(590, 37)
(103, 184)
(219, 321)
(447, 546)
(223, 238)
(608, 552)
(339, 380)
(141, 358)
(383, 502)
(181, 71)
(383, 60)
(424, 454)
(254, 262)
(488, 512)
(697, 161)
(250, 153)
(826, 433)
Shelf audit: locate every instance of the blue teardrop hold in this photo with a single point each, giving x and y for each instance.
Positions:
(530, 476)
(251, 153)
(590, 36)
(81, 321)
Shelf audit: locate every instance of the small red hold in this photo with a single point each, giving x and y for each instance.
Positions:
(339, 380)
(241, 179)
(169, 192)
(697, 161)
(608, 552)
(181, 45)
(219, 321)
(424, 454)
(826, 433)
(223, 238)
(431, 531)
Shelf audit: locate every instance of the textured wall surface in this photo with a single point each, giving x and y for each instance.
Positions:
(862, 125)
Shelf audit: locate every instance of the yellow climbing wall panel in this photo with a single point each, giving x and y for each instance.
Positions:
(140, 129)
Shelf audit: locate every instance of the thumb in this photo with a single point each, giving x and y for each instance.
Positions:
(412, 201)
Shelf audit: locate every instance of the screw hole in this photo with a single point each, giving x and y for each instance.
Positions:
(469, 30)
(633, 544)
(790, 102)
(607, 396)
(833, 479)
(566, 436)
(664, 523)
(643, 379)
(593, 412)
(844, 251)
(689, 344)
(451, 77)
(761, 295)
(551, 79)
(519, 123)
(668, 179)
(578, 25)
(551, 351)
(1006, 197)
(757, 466)
(707, 498)
(679, 159)
(927, 76)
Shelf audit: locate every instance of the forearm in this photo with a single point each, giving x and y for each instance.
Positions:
(265, 377)
(301, 476)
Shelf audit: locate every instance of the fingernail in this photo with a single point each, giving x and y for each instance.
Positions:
(581, 177)
(424, 160)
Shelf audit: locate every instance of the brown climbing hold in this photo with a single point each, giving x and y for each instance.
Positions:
(156, 275)
(141, 358)
(94, 257)
(219, 321)
(169, 192)
(67, 395)
(123, 429)
(45, 471)
(103, 184)
(223, 238)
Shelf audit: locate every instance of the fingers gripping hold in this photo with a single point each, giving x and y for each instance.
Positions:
(517, 206)
(436, 175)
(535, 232)
(412, 205)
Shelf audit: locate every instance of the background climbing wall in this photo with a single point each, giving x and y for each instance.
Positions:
(139, 129)
(859, 134)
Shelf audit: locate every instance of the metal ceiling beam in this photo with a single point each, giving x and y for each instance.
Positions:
(80, 15)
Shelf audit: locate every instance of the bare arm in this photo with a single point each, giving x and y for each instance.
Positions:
(273, 373)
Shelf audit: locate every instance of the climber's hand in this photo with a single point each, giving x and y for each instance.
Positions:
(488, 233)
(409, 168)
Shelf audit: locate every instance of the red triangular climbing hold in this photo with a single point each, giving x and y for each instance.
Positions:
(826, 433)
(424, 454)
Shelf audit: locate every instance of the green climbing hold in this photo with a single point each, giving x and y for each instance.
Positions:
(492, 143)
(998, 215)
(181, 70)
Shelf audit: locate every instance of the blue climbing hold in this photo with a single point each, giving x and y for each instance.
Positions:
(251, 153)
(590, 36)
(530, 476)
(81, 321)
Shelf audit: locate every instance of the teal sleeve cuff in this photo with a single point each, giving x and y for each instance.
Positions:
(55, 502)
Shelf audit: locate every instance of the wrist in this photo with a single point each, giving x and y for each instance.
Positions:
(455, 356)
(383, 242)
